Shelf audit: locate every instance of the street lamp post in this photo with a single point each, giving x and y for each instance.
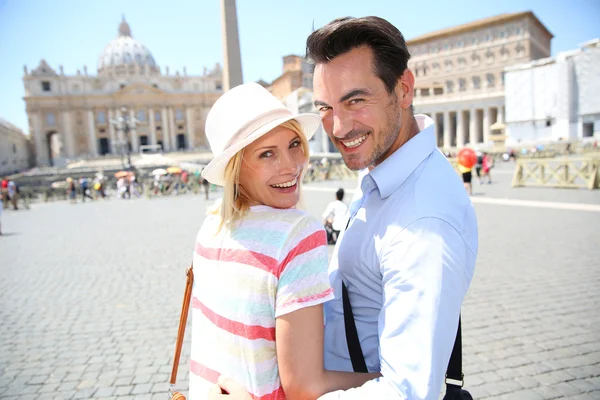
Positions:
(124, 123)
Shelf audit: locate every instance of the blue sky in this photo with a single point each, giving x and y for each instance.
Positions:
(181, 33)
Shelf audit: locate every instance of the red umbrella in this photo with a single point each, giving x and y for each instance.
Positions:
(467, 158)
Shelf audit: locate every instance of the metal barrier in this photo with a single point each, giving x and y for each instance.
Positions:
(573, 172)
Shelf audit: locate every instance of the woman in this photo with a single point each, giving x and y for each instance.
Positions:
(487, 165)
(467, 176)
(260, 264)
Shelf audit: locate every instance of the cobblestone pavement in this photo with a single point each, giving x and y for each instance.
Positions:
(90, 297)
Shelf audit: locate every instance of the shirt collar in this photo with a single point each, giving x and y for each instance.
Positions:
(393, 171)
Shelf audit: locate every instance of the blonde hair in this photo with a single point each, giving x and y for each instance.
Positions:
(235, 202)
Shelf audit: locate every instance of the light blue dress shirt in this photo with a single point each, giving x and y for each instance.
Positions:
(407, 258)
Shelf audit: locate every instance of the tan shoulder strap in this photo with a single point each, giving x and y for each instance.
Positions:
(182, 321)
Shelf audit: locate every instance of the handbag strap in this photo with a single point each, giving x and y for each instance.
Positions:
(182, 322)
(454, 375)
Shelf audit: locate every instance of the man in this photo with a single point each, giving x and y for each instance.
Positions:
(335, 217)
(408, 254)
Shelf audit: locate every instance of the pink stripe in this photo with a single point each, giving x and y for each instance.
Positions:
(309, 298)
(203, 371)
(319, 238)
(258, 260)
(276, 394)
(210, 375)
(251, 332)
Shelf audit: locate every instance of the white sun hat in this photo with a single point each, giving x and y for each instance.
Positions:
(239, 117)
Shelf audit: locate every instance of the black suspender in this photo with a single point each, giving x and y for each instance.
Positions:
(453, 372)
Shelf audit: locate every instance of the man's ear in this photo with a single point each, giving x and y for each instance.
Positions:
(405, 88)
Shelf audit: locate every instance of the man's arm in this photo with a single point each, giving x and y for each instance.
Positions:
(426, 270)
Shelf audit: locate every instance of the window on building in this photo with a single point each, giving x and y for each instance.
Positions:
(460, 44)
(475, 60)
(504, 53)
(476, 82)
(446, 47)
(141, 115)
(491, 80)
(101, 117)
(462, 84)
(448, 65)
(50, 119)
(502, 34)
(157, 116)
(46, 86)
(219, 86)
(520, 50)
(548, 122)
(436, 67)
(489, 56)
(518, 31)
(178, 114)
(14, 148)
(449, 86)
(462, 62)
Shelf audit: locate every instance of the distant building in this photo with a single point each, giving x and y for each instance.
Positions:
(15, 149)
(69, 116)
(555, 99)
(459, 74)
(294, 88)
(296, 74)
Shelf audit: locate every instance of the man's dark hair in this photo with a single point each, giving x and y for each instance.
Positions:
(340, 194)
(390, 54)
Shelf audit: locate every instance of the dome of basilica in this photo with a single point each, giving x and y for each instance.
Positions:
(125, 52)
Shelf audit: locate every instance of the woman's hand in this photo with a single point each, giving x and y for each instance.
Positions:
(228, 389)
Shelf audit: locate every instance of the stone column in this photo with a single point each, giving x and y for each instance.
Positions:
(486, 125)
(460, 129)
(437, 128)
(189, 114)
(120, 133)
(473, 126)
(67, 131)
(172, 129)
(135, 145)
(93, 142)
(111, 131)
(165, 130)
(232, 60)
(447, 135)
(152, 126)
(41, 145)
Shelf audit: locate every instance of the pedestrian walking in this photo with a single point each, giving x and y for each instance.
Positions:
(85, 192)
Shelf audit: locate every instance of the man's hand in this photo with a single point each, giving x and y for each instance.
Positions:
(228, 389)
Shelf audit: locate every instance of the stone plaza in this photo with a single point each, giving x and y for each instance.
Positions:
(90, 294)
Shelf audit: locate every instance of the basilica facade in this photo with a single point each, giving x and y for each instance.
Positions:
(130, 105)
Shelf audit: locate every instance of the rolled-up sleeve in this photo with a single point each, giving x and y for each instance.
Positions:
(426, 271)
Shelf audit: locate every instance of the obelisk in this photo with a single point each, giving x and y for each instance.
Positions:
(232, 69)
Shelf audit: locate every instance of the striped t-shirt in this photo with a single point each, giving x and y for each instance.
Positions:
(271, 263)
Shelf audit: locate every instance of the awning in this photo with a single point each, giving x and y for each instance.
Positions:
(496, 126)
